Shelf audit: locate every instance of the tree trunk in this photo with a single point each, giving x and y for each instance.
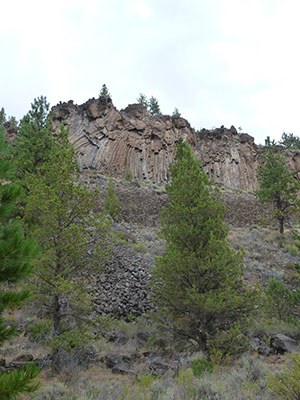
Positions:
(281, 224)
(56, 362)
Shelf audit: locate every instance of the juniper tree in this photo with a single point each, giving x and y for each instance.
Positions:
(16, 254)
(72, 239)
(197, 284)
(278, 186)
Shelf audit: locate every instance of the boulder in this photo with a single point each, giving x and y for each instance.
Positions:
(282, 344)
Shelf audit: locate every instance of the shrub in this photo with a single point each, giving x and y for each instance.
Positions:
(227, 343)
(282, 302)
(111, 202)
(286, 384)
(128, 176)
(200, 366)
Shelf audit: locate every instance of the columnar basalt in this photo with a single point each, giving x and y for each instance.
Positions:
(134, 143)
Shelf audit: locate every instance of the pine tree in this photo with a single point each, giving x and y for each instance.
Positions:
(197, 284)
(142, 99)
(104, 93)
(176, 113)
(153, 106)
(34, 138)
(72, 238)
(278, 186)
(290, 141)
(16, 253)
(2, 117)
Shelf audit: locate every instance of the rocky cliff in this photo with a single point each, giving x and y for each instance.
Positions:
(133, 143)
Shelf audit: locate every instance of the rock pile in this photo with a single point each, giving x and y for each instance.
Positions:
(123, 290)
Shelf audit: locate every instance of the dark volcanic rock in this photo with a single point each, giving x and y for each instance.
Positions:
(122, 290)
(282, 344)
(133, 141)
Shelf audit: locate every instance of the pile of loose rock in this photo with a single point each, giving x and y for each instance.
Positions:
(122, 290)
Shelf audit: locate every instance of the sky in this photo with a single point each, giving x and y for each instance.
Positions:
(220, 62)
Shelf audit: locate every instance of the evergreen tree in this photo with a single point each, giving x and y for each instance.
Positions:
(142, 99)
(2, 117)
(16, 253)
(176, 113)
(153, 106)
(34, 138)
(72, 239)
(104, 93)
(278, 186)
(290, 141)
(197, 284)
(111, 202)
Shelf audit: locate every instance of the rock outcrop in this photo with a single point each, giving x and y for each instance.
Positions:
(133, 143)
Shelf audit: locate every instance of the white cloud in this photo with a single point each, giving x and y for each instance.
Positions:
(218, 61)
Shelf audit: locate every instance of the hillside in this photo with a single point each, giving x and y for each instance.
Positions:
(127, 356)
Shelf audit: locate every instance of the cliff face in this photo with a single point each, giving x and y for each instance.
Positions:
(132, 142)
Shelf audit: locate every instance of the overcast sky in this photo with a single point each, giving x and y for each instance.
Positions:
(220, 62)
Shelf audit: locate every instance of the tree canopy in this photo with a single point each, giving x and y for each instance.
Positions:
(71, 236)
(16, 255)
(278, 186)
(197, 284)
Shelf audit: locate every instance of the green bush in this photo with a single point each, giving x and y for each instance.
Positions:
(112, 205)
(227, 343)
(200, 366)
(286, 384)
(282, 302)
(128, 176)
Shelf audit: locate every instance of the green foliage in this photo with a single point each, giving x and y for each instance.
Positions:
(39, 332)
(2, 117)
(201, 366)
(142, 99)
(290, 141)
(71, 237)
(18, 381)
(286, 384)
(197, 284)
(153, 106)
(227, 343)
(186, 384)
(16, 254)
(270, 143)
(112, 205)
(104, 93)
(282, 302)
(139, 247)
(176, 113)
(128, 176)
(277, 186)
(34, 139)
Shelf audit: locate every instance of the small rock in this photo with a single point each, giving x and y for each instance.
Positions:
(122, 368)
(117, 337)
